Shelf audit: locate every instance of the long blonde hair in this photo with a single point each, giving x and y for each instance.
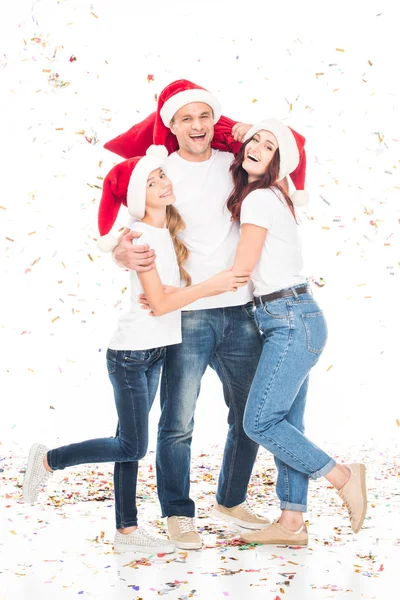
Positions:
(175, 224)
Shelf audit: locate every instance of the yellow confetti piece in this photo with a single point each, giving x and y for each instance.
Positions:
(398, 422)
(90, 257)
(82, 132)
(123, 290)
(93, 15)
(35, 261)
(9, 239)
(13, 532)
(32, 233)
(55, 319)
(325, 227)
(339, 49)
(254, 100)
(329, 368)
(336, 89)
(318, 74)
(59, 128)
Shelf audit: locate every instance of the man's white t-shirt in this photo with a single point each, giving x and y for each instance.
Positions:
(280, 265)
(136, 329)
(201, 190)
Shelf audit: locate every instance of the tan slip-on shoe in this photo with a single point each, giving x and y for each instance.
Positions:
(242, 515)
(354, 495)
(183, 533)
(276, 534)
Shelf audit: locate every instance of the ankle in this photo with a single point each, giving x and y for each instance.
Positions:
(292, 520)
(46, 464)
(127, 530)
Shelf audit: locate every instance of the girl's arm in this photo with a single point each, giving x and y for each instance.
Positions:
(161, 303)
(251, 242)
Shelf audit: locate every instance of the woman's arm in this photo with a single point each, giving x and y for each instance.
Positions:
(251, 242)
(162, 303)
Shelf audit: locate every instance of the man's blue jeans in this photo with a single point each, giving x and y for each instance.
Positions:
(227, 340)
(135, 375)
(293, 332)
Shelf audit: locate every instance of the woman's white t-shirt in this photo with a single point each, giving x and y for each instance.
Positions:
(136, 329)
(281, 264)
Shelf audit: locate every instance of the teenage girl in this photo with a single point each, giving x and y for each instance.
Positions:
(136, 351)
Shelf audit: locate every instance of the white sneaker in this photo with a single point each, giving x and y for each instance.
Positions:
(35, 475)
(141, 540)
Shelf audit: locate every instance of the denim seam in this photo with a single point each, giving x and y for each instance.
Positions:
(293, 506)
(237, 425)
(308, 472)
(264, 399)
(160, 478)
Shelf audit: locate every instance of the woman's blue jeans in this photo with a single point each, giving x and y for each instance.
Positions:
(134, 375)
(293, 333)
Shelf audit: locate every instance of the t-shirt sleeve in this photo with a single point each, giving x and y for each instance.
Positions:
(259, 208)
(155, 242)
(145, 238)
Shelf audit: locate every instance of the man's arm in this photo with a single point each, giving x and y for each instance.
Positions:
(133, 257)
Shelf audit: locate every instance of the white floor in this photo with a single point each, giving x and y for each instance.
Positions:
(62, 547)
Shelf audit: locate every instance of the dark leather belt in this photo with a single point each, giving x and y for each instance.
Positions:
(305, 289)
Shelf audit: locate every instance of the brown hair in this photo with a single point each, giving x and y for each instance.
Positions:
(175, 224)
(241, 187)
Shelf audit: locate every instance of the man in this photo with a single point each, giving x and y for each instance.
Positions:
(216, 331)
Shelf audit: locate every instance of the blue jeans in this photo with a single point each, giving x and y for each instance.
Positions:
(134, 375)
(227, 340)
(293, 333)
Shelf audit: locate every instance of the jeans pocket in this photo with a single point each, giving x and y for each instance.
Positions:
(142, 356)
(249, 310)
(316, 331)
(277, 309)
(111, 358)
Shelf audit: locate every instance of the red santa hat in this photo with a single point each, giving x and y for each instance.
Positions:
(126, 184)
(155, 128)
(292, 155)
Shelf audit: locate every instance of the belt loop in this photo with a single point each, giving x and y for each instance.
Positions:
(294, 292)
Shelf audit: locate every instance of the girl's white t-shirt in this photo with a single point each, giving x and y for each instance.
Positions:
(136, 329)
(281, 264)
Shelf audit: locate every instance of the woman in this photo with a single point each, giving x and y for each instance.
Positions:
(136, 351)
(293, 333)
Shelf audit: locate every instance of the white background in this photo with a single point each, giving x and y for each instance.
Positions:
(328, 69)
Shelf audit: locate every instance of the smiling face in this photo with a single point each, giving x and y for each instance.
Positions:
(258, 154)
(194, 129)
(159, 190)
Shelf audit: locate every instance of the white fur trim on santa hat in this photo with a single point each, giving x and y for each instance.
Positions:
(288, 151)
(174, 103)
(136, 194)
(107, 243)
(300, 198)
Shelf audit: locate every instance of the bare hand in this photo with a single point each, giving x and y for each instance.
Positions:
(134, 257)
(228, 281)
(239, 131)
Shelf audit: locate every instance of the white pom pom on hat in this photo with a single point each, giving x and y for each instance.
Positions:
(292, 155)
